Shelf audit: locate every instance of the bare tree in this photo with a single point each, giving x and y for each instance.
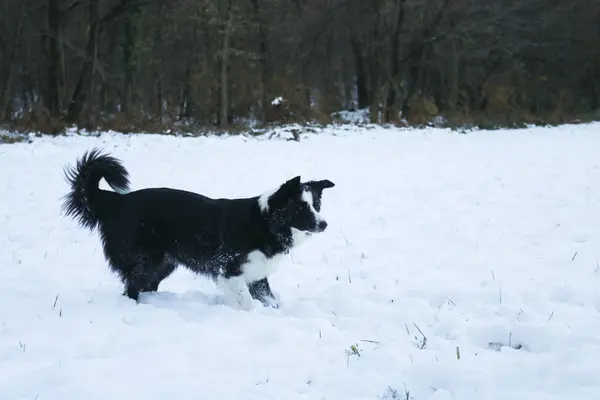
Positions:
(145, 64)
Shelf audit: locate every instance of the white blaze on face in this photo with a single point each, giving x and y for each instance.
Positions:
(307, 197)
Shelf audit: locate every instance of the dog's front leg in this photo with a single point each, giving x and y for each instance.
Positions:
(261, 290)
(236, 291)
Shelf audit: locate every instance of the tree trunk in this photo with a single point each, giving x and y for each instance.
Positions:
(224, 102)
(158, 61)
(187, 101)
(89, 63)
(454, 76)
(361, 73)
(129, 63)
(93, 12)
(55, 75)
(8, 65)
(264, 57)
(390, 104)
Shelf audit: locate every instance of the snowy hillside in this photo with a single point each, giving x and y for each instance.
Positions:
(455, 266)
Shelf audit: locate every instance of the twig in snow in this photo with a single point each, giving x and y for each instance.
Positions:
(551, 315)
(349, 277)
(55, 300)
(424, 341)
(369, 341)
(437, 313)
(391, 391)
(262, 382)
(457, 353)
(450, 301)
(574, 255)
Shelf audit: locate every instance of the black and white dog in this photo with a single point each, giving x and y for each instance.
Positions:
(146, 233)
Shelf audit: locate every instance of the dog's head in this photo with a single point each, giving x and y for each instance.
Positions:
(296, 205)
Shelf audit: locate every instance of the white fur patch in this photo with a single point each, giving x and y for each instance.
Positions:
(259, 266)
(119, 189)
(263, 199)
(307, 197)
(299, 236)
(236, 292)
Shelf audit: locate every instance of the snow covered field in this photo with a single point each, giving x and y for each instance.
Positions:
(454, 267)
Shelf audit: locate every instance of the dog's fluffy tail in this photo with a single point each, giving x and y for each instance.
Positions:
(81, 202)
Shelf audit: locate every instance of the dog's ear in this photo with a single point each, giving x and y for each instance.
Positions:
(294, 182)
(288, 190)
(318, 186)
(325, 184)
(291, 187)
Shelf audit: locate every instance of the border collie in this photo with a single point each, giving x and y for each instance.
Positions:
(146, 233)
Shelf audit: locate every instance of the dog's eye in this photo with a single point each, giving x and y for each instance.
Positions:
(317, 202)
(304, 208)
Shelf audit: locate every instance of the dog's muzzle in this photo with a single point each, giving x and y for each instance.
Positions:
(321, 226)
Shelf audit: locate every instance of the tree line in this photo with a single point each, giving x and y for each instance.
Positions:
(151, 64)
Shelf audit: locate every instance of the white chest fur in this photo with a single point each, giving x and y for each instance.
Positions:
(259, 266)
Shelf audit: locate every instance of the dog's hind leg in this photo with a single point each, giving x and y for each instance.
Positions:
(132, 275)
(141, 274)
(261, 290)
(161, 274)
(136, 281)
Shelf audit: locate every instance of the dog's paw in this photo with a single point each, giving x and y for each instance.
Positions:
(270, 302)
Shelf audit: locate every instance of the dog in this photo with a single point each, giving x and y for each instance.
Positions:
(147, 233)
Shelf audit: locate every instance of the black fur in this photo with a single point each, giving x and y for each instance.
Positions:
(84, 179)
(146, 233)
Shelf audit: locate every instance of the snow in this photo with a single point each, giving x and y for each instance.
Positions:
(355, 117)
(486, 244)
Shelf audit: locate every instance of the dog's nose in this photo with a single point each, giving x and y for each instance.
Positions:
(322, 225)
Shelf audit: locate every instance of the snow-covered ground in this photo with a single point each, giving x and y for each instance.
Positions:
(454, 267)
